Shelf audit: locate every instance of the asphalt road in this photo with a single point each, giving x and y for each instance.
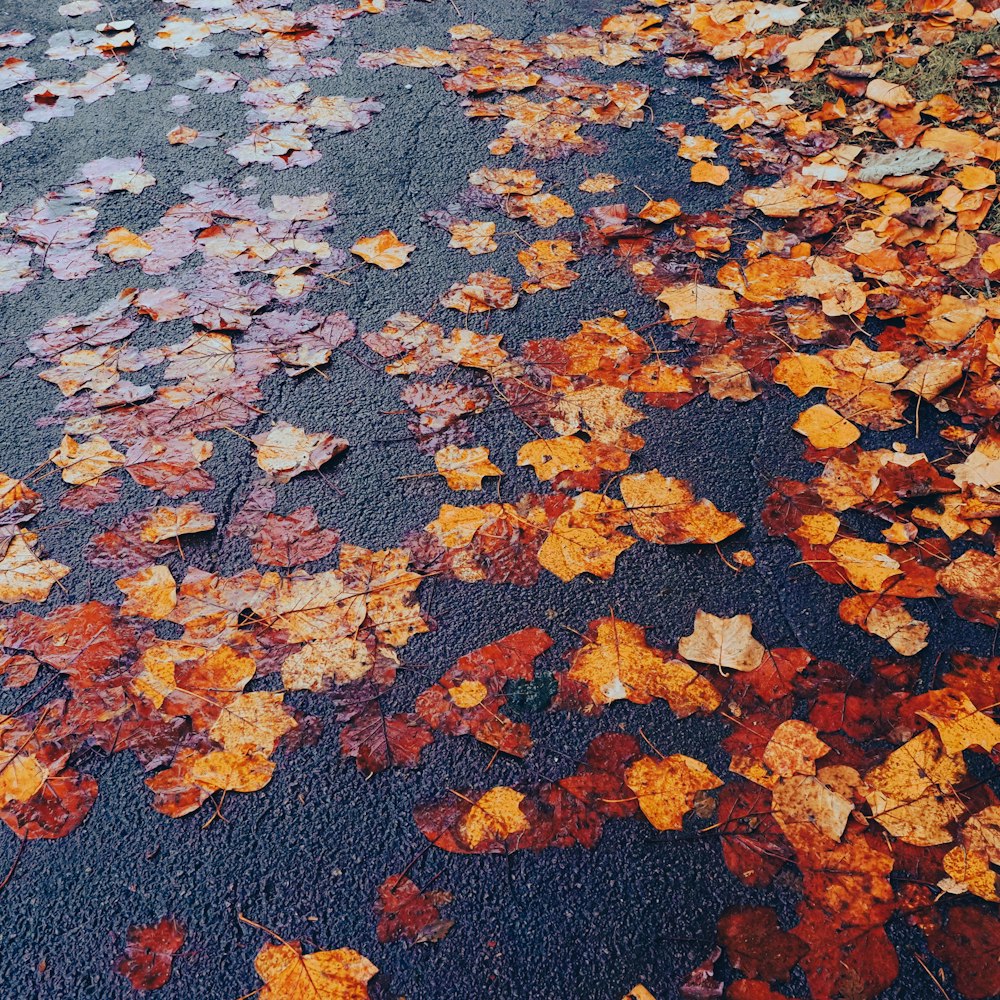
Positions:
(304, 856)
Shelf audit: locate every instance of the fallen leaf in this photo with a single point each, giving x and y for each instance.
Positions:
(384, 250)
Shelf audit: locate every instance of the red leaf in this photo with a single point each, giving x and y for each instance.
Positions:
(379, 741)
(149, 953)
(405, 911)
(970, 944)
(292, 539)
(757, 946)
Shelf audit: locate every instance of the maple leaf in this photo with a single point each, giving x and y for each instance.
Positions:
(959, 724)
(572, 461)
(495, 815)
(666, 787)
(804, 805)
(162, 524)
(660, 211)
(911, 793)
(122, 245)
(18, 502)
(886, 617)
(481, 292)
(149, 953)
(868, 565)
(686, 302)
(83, 463)
(545, 263)
(825, 428)
(599, 183)
(475, 237)
(724, 642)
(251, 723)
(384, 250)
(544, 210)
(288, 974)
(408, 912)
(704, 172)
(316, 665)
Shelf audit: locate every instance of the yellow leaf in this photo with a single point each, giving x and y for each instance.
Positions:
(476, 237)
(21, 776)
(315, 665)
(384, 250)
(465, 468)
(86, 462)
(599, 183)
(825, 427)
(617, 663)
(286, 451)
(726, 377)
(886, 617)
(692, 301)
(867, 565)
(23, 576)
(638, 992)
(252, 723)
(804, 372)
(322, 975)
(666, 788)
(664, 510)
(495, 815)
(804, 800)
(149, 593)
(704, 172)
(227, 771)
(660, 211)
(164, 523)
(912, 792)
(892, 95)
(585, 538)
(959, 724)
(121, 245)
(550, 457)
(794, 748)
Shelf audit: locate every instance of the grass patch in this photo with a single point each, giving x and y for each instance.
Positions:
(937, 72)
